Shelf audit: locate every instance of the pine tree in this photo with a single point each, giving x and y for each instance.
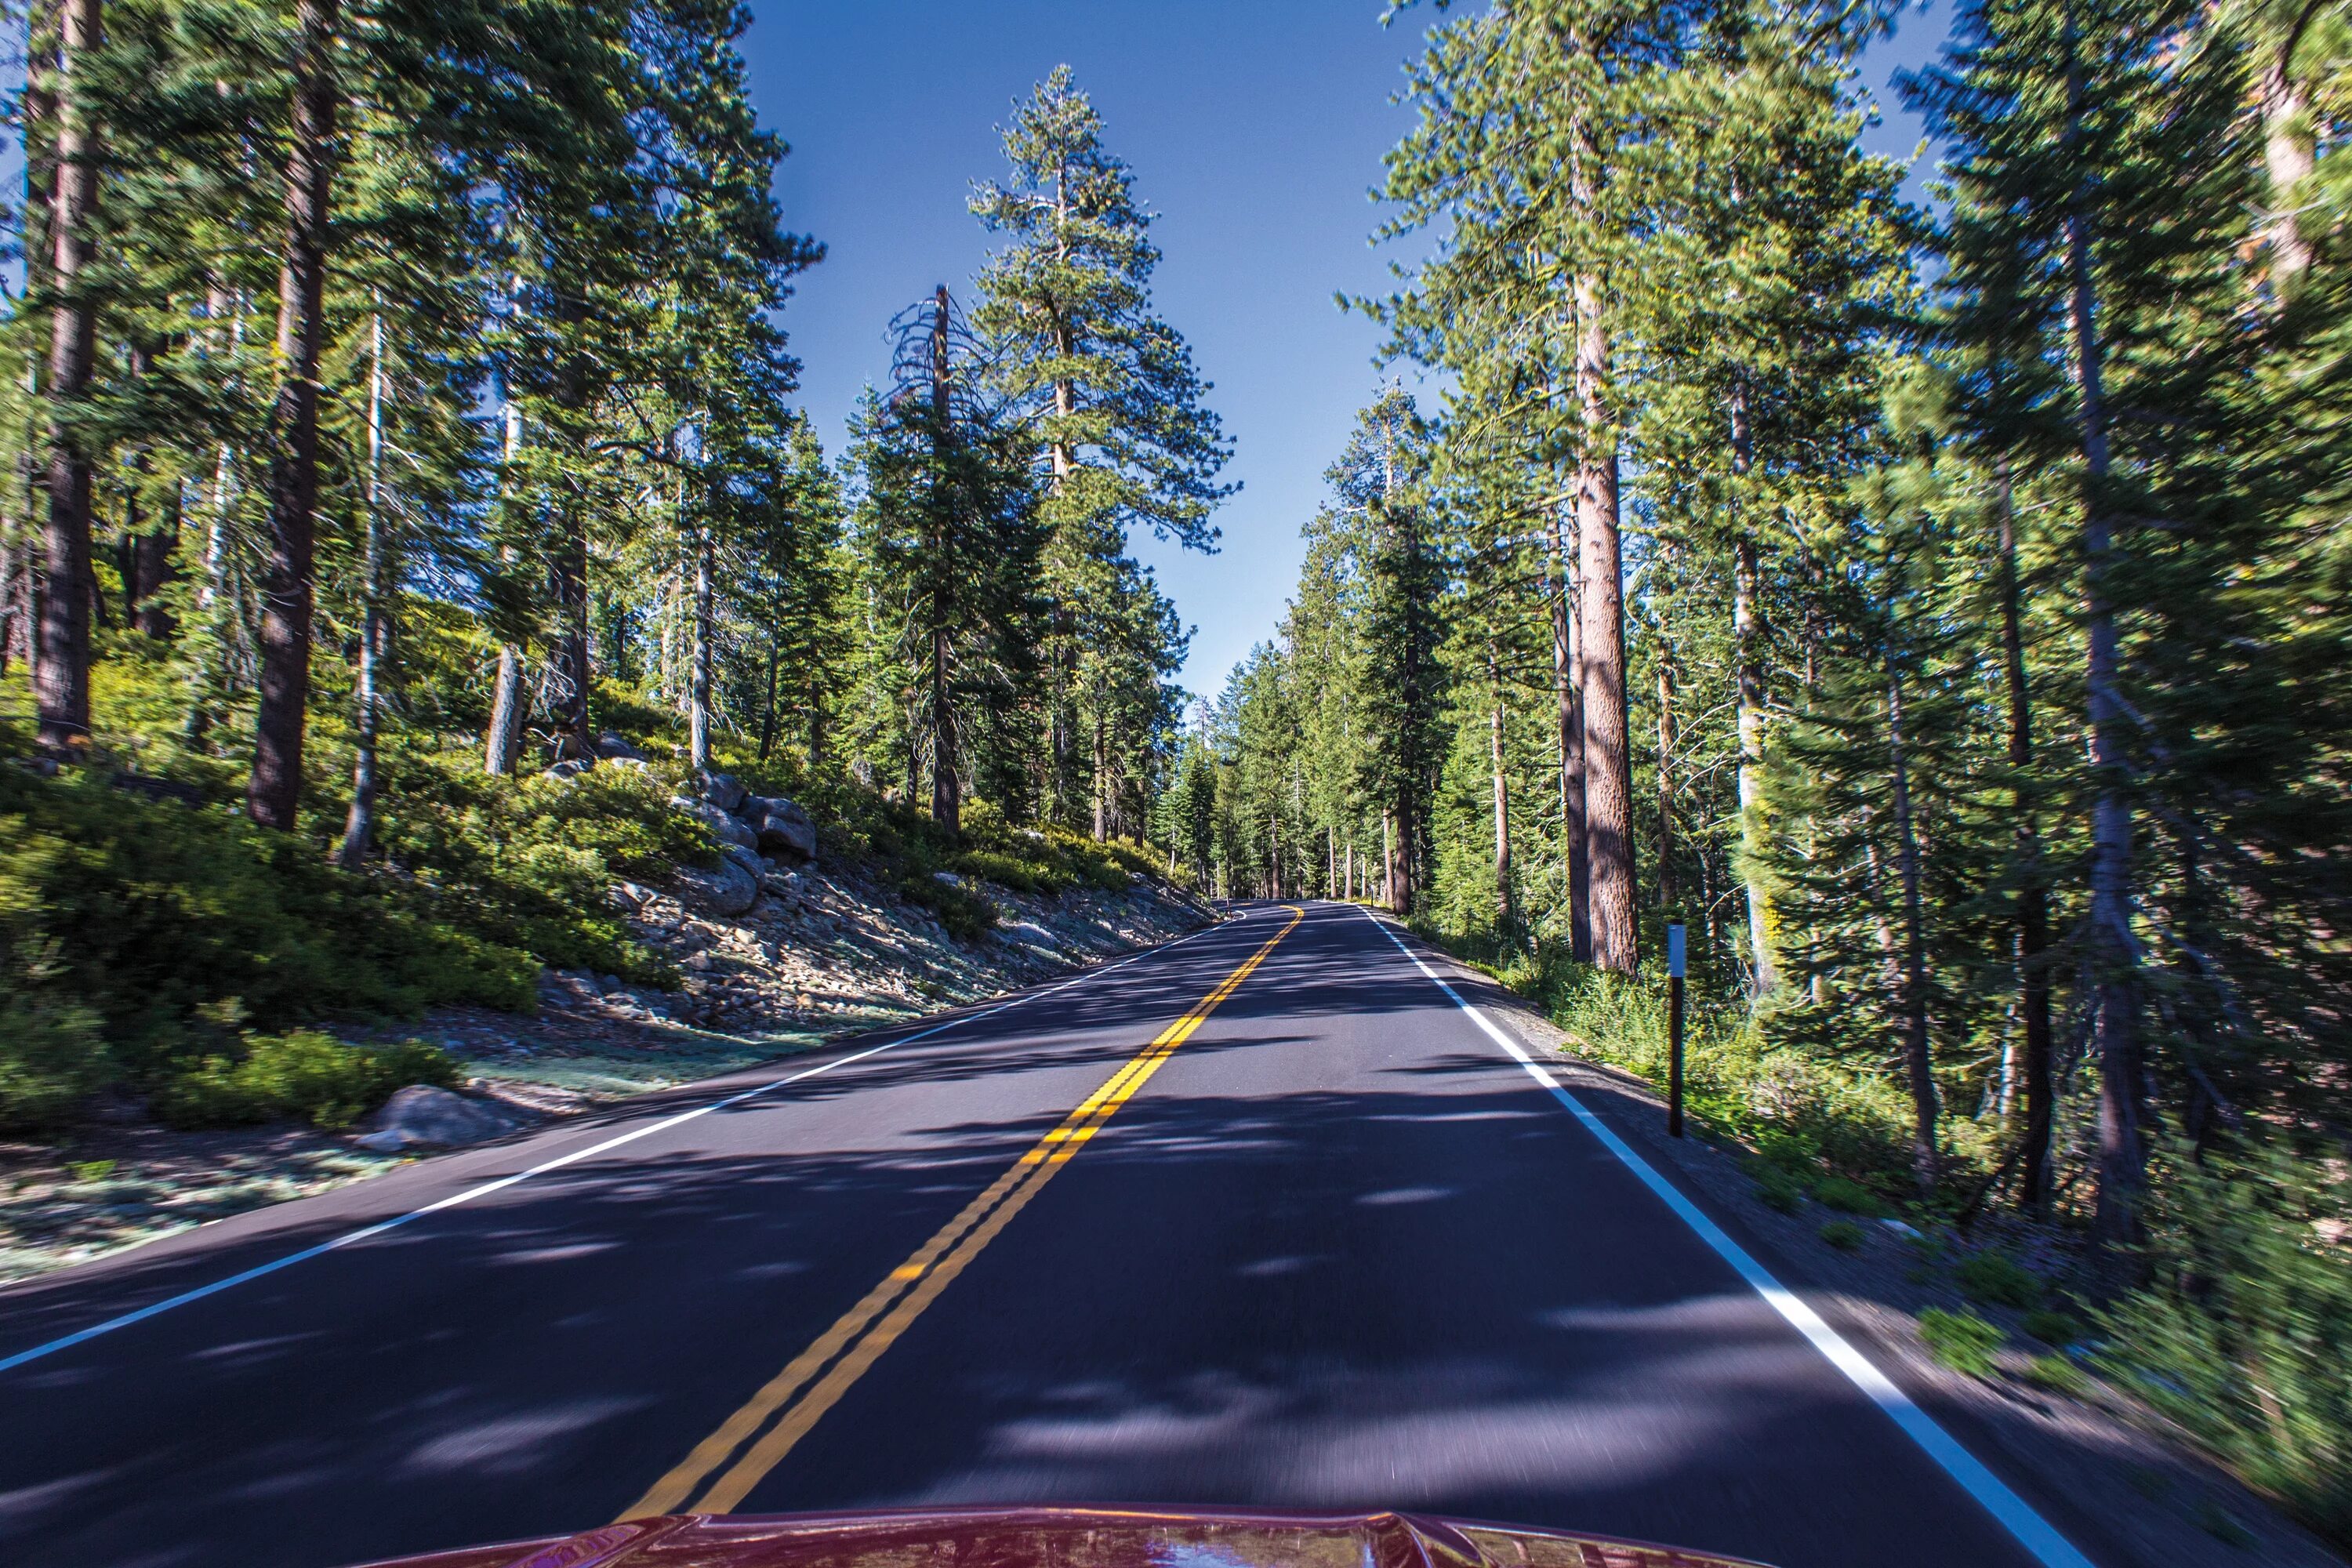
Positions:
(1117, 412)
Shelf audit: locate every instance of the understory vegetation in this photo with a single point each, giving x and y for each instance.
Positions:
(403, 502)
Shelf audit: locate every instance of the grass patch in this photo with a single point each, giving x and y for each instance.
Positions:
(1960, 1341)
(1996, 1280)
(2056, 1374)
(304, 1074)
(2053, 1327)
(1843, 1234)
(2243, 1332)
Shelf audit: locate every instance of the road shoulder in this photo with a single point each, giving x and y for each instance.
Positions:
(2108, 1475)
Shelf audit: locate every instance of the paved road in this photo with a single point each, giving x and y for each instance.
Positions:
(1328, 1244)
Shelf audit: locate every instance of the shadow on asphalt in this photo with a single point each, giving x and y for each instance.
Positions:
(1427, 1288)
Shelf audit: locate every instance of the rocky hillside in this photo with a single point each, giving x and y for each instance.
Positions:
(803, 927)
(780, 945)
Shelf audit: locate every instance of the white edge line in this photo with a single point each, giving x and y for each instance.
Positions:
(485, 1188)
(2033, 1532)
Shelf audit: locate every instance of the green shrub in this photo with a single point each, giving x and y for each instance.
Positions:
(1847, 1197)
(53, 1057)
(1996, 1280)
(526, 864)
(305, 1074)
(146, 910)
(2243, 1332)
(2057, 1374)
(967, 915)
(1776, 1189)
(1962, 1341)
(2052, 1327)
(1843, 1234)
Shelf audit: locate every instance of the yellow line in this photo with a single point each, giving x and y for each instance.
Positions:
(854, 1343)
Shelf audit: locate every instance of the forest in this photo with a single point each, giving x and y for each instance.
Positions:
(1936, 604)
(400, 412)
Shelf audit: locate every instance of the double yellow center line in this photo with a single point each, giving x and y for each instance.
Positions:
(796, 1398)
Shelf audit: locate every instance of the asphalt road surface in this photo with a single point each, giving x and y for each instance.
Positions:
(1262, 1217)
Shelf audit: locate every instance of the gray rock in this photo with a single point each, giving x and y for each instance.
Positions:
(422, 1117)
(1028, 932)
(613, 749)
(746, 856)
(780, 826)
(724, 791)
(729, 890)
(949, 878)
(728, 829)
(570, 768)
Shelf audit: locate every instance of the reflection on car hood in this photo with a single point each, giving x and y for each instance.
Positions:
(1068, 1538)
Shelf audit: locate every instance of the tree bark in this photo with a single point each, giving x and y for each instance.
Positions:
(502, 745)
(569, 665)
(1918, 1060)
(1502, 910)
(698, 720)
(61, 675)
(2032, 936)
(2113, 949)
(359, 824)
(1566, 679)
(1748, 651)
(1601, 604)
(2288, 157)
(947, 797)
(275, 789)
(1667, 890)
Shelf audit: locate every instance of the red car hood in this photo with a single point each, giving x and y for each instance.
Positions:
(1067, 1538)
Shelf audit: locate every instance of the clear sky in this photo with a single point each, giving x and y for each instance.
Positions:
(1256, 128)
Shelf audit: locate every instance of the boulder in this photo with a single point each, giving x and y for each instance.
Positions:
(780, 826)
(724, 791)
(744, 855)
(729, 828)
(570, 768)
(613, 749)
(1029, 933)
(422, 1117)
(947, 878)
(727, 891)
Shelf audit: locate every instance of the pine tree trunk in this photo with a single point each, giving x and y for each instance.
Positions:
(1667, 891)
(62, 676)
(2032, 937)
(1601, 604)
(275, 789)
(359, 825)
(2288, 158)
(1503, 912)
(1566, 679)
(1748, 652)
(502, 745)
(569, 665)
(1389, 863)
(1913, 1001)
(2113, 950)
(768, 708)
(947, 797)
(1102, 773)
(697, 723)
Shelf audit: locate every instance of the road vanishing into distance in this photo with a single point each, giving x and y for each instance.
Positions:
(1267, 1216)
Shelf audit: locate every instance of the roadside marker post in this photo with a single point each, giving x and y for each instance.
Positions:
(1675, 956)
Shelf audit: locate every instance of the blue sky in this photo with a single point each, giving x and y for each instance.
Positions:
(1256, 128)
